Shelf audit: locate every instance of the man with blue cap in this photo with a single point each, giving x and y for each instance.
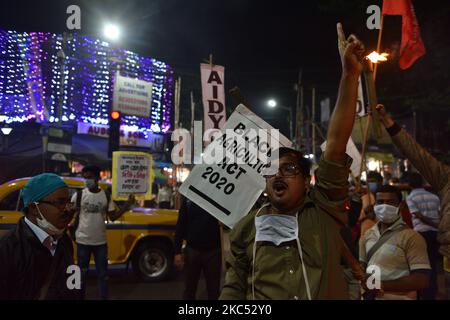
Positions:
(36, 253)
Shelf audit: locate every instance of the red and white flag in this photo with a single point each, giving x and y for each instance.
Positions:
(412, 47)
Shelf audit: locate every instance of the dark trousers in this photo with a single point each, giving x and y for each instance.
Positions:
(433, 254)
(164, 204)
(208, 261)
(101, 266)
(447, 284)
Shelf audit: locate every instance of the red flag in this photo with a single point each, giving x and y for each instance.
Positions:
(412, 47)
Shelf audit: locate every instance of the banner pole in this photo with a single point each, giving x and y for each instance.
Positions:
(380, 33)
(239, 98)
(370, 87)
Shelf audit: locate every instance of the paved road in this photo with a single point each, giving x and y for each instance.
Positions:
(124, 285)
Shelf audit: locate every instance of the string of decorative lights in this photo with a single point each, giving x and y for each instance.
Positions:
(30, 80)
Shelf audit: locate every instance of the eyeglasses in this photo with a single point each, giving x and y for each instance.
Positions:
(286, 170)
(58, 204)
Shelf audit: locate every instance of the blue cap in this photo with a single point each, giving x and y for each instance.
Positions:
(41, 185)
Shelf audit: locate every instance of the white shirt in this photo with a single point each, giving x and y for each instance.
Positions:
(42, 235)
(164, 195)
(91, 228)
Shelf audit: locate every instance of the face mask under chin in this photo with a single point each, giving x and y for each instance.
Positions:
(45, 225)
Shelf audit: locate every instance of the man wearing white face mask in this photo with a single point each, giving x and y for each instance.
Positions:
(399, 252)
(94, 205)
(35, 254)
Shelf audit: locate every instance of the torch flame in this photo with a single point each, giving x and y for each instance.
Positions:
(375, 57)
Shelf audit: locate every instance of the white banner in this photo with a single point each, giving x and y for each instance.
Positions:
(128, 137)
(132, 97)
(353, 152)
(325, 110)
(213, 95)
(229, 190)
(360, 107)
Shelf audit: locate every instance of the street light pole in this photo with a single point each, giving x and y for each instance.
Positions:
(272, 103)
(6, 131)
(291, 129)
(313, 122)
(62, 56)
(290, 124)
(298, 136)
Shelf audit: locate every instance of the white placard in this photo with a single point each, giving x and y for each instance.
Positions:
(353, 152)
(132, 174)
(360, 107)
(132, 97)
(228, 191)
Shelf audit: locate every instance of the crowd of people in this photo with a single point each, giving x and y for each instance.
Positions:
(323, 241)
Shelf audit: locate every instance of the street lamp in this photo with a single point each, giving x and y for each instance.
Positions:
(272, 104)
(111, 31)
(6, 131)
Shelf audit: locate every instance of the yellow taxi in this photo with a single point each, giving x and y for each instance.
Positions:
(142, 236)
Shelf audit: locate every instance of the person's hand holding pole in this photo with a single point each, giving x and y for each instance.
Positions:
(358, 272)
(385, 118)
(351, 51)
(179, 261)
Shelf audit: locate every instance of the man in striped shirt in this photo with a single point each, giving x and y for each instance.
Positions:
(424, 207)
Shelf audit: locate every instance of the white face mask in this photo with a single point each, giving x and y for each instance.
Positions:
(277, 228)
(90, 183)
(386, 213)
(45, 225)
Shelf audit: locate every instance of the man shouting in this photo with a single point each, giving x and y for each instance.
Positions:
(291, 247)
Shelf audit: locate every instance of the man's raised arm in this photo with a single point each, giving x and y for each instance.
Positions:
(351, 51)
(434, 171)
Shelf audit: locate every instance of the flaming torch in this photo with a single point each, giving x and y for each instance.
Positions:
(375, 57)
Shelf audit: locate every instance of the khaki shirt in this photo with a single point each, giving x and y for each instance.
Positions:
(278, 271)
(437, 174)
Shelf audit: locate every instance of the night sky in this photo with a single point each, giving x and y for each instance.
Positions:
(262, 44)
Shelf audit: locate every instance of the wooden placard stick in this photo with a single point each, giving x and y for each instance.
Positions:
(239, 98)
(372, 97)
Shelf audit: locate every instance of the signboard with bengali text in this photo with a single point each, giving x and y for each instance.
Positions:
(132, 174)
